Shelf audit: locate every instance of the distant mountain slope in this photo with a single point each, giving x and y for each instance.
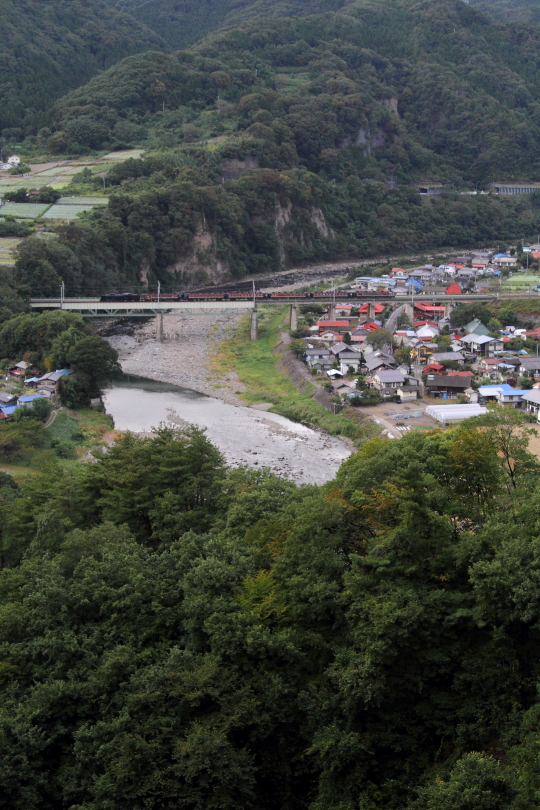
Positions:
(48, 47)
(404, 88)
(508, 11)
(183, 22)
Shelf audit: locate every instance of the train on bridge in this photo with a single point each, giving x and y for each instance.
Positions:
(241, 296)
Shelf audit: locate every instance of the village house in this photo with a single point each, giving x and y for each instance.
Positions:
(490, 367)
(7, 398)
(349, 359)
(427, 330)
(387, 381)
(531, 400)
(319, 357)
(529, 365)
(446, 387)
(18, 371)
(482, 344)
(421, 351)
(324, 326)
(433, 312)
(443, 357)
(503, 260)
(49, 384)
(504, 394)
(534, 334)
(475, 327)
(434, 368)
(379, 359)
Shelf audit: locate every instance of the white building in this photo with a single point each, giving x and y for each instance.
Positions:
(13, 161)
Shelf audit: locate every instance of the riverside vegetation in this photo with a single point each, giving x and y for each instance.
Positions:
(176, 634)
(258, 368)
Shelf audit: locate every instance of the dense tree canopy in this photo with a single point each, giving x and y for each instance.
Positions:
(176, 634)
(49, 47)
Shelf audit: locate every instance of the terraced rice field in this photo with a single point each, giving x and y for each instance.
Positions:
(23, 210)
(58, 175)
(7, 246)
(66, 211)
(87, 201)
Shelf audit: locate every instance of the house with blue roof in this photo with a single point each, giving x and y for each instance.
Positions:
(504, 394)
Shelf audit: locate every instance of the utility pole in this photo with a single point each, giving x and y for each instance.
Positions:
(62, 291)
(254, 301)
(158, 290)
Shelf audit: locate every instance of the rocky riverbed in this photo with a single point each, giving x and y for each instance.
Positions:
(245, 436)
(183, 357)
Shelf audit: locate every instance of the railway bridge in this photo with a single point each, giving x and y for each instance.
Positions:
(95, 308)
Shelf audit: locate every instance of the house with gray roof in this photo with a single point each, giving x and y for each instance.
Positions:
(482, 344)
(531, 400)
(528, 364)
(374, 362)
(440, 357)
(388, 381)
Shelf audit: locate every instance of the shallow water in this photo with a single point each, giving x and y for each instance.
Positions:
(244, 435)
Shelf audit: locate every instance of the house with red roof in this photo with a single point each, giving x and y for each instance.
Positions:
(364, 309)
(322, 326)
(434, 368)
(454, 289)
(431, 311)
(371, 327)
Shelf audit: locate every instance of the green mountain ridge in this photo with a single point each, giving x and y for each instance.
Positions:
(285, 141)
(183, 22)
(425, 89)
(510, 11)
(48, 47)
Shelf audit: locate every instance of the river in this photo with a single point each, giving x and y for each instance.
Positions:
(245, 436)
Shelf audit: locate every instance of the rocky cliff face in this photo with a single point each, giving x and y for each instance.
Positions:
(203, 265)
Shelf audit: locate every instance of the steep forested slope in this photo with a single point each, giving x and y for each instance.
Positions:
(183, 22)
(178, 635)
(508, 11)
(50, 46)
(289, 140)
(396, 88)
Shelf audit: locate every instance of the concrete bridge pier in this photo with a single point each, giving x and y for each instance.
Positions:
(293, 317)
(371, 311)
(448, 307)
(408, 309)
(331, 312)
(159, 327)
(254, 330)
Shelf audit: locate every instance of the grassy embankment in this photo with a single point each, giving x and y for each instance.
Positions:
(257, 365)
(521, 306)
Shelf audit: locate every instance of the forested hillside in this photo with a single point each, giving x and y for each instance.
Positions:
(396, 88)
(178, 635)
(510, 11)
(49, 46)
(183, 22)
(285, 141)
